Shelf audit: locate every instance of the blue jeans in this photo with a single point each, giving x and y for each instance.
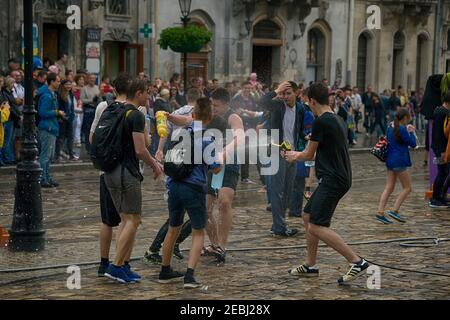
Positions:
(7, 155)
(48, 143)
(280, 192)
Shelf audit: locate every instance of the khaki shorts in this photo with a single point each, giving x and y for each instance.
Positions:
(125, 191)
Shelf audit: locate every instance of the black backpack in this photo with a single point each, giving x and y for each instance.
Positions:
(176, 163)
(107, 149)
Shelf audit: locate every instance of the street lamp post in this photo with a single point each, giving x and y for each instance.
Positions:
(27, 232)
(185, 7)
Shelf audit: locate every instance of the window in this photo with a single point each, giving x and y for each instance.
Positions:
(398, 60)
(448, 40)
(118, 7)
(316, 55)
(362, 62)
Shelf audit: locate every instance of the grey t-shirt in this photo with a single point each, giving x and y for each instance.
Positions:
(289, 125)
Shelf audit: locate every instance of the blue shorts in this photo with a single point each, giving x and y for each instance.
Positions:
(187, 197)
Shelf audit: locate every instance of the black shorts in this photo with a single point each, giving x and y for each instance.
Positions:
(230, 180)
(323, 203)
(110, 217)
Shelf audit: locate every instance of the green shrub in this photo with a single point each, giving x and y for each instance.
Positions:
(179, 39)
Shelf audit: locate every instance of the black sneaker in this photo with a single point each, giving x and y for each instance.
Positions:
(437, 204)
(46, 185)
(177, 252)
(191, 283)
(170, 277)
(354, 272)
(286, 234)
(54, 184)
(304, 271)
(269, 208)
(102, 269)
(152, 257)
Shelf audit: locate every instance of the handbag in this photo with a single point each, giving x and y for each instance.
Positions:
(380, 149)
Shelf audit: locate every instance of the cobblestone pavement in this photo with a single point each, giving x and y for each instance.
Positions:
(72, 225)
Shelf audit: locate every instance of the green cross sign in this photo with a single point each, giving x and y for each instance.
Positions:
(147, 30)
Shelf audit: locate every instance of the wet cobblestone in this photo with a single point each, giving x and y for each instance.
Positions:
(72, 225)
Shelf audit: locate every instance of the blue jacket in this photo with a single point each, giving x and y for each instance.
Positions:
(48, 110)
(398, 153)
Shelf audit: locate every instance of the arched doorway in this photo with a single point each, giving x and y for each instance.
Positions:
(422, 60)
(398, 59)
(267, 43)
(365, 61)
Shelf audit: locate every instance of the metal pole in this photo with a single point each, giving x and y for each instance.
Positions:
(27, 232)
(185, 57)
(438, 38)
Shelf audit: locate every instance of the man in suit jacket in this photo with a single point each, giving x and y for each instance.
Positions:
(287, 116)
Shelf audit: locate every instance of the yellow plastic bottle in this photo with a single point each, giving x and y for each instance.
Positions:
(161, 124)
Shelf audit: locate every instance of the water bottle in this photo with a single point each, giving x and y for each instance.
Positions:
(162, 127)
(217, 180)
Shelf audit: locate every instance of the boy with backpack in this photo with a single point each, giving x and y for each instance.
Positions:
(187, 184)
(109, 215)
(118, 145)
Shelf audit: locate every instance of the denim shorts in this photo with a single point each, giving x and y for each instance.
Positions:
(187, 197)
(399, 169)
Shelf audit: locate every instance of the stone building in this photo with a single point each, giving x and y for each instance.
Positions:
(114, 25)
(301, 40)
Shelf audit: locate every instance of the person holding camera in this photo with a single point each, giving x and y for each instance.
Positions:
(66, 103)
(48, 126)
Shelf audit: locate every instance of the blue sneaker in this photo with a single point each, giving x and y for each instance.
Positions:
(396, 216)
(132, 275)
(383, 219)
(118, 274)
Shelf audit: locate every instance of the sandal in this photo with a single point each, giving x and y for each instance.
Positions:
(209, 251)
(220, 255)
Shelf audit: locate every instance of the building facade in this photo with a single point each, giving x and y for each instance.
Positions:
(300, 40)
(108, 42)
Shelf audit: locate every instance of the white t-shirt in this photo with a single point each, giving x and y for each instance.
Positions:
(98, 114)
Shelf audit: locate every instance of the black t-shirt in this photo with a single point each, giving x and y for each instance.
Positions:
(332, 160)
(439, 140)
(135, 123)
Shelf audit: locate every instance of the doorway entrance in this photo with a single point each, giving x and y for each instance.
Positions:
(262, 64)
(56, 41)
(122, 57)
(267, 44)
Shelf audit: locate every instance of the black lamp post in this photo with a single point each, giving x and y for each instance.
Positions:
(185, 7)
(27, 232)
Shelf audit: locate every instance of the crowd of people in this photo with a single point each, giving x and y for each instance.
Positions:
(316, 125)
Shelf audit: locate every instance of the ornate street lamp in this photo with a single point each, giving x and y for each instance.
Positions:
(185, 7)
(27, 232)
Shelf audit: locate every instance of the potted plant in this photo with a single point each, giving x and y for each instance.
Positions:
(189, 39)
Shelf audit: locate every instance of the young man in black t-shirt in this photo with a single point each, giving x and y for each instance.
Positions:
(329, 147)
(124, 182)
(439, 146)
